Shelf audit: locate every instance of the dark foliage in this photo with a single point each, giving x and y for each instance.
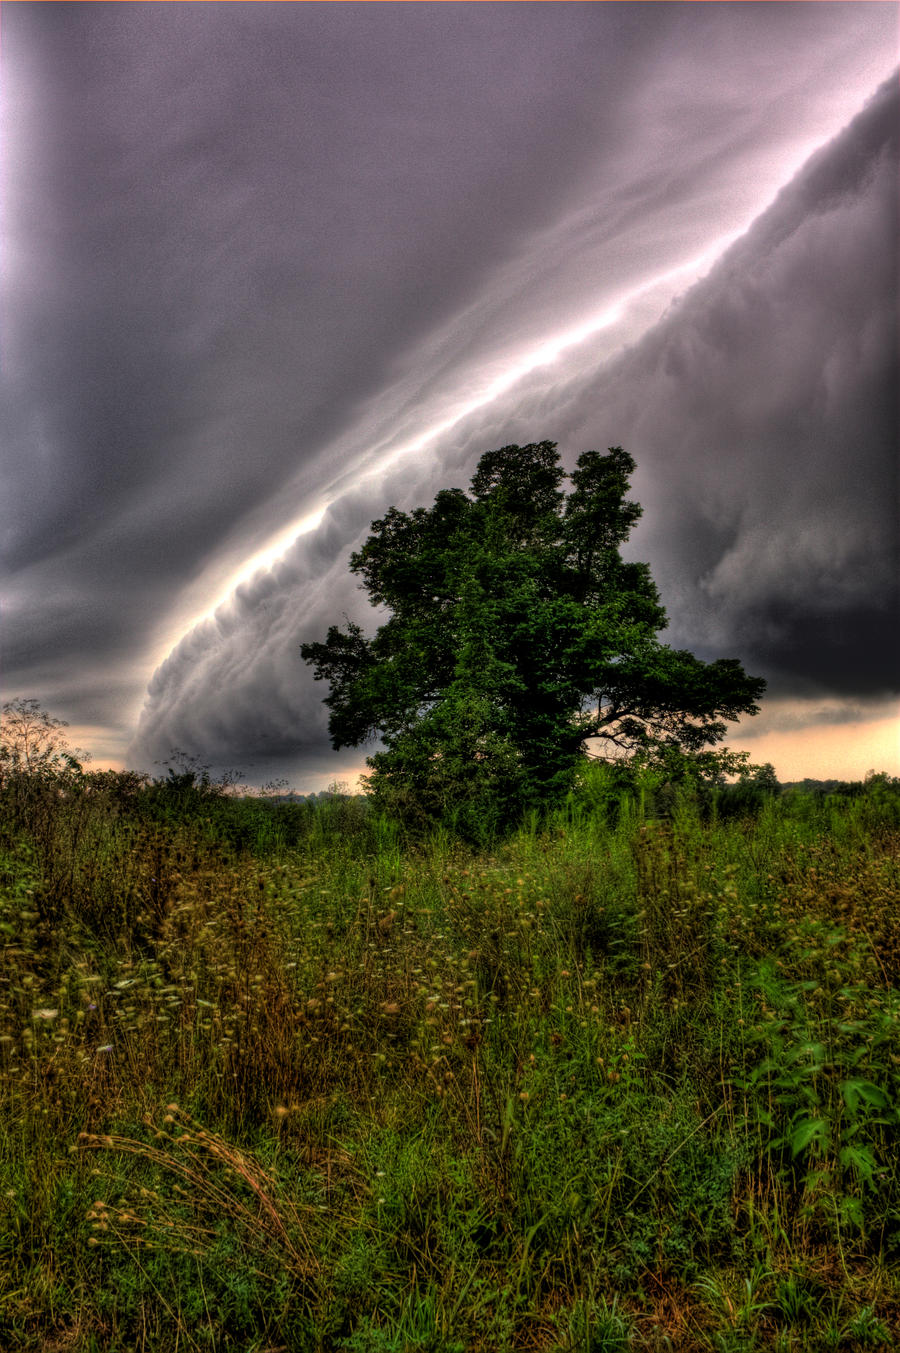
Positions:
(517, 633)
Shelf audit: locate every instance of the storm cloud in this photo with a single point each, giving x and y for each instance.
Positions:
(258, 256)
(762, 409)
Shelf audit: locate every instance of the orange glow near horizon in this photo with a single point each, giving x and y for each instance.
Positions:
(838, 751)
(827, 751)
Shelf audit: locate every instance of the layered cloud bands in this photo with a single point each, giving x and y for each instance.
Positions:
(251, 253)
(761, 409)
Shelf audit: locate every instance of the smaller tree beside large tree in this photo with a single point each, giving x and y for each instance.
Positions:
(32, 742)
(517, 634)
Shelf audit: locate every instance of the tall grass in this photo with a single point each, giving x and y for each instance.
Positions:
(272, 1077)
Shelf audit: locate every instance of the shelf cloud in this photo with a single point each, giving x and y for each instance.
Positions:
(762, 411)
(270, 266)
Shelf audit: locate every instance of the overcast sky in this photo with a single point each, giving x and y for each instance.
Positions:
(269, 268)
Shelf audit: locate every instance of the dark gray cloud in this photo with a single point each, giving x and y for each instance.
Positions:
(769, 427)
(251, 250)
(763, 414)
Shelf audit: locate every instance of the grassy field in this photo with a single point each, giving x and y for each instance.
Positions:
(272, 1078)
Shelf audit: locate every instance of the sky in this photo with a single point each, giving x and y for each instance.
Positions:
(266, 269)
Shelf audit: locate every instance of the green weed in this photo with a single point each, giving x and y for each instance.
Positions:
(626, 1079)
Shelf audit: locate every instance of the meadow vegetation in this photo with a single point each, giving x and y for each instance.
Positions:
(275, 1077)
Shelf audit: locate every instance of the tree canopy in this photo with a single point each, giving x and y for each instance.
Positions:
(516, 633)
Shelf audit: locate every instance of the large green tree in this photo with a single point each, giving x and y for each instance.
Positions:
(517, 632)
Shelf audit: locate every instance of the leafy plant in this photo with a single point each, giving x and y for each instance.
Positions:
(517, 633)
(622, 1077)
